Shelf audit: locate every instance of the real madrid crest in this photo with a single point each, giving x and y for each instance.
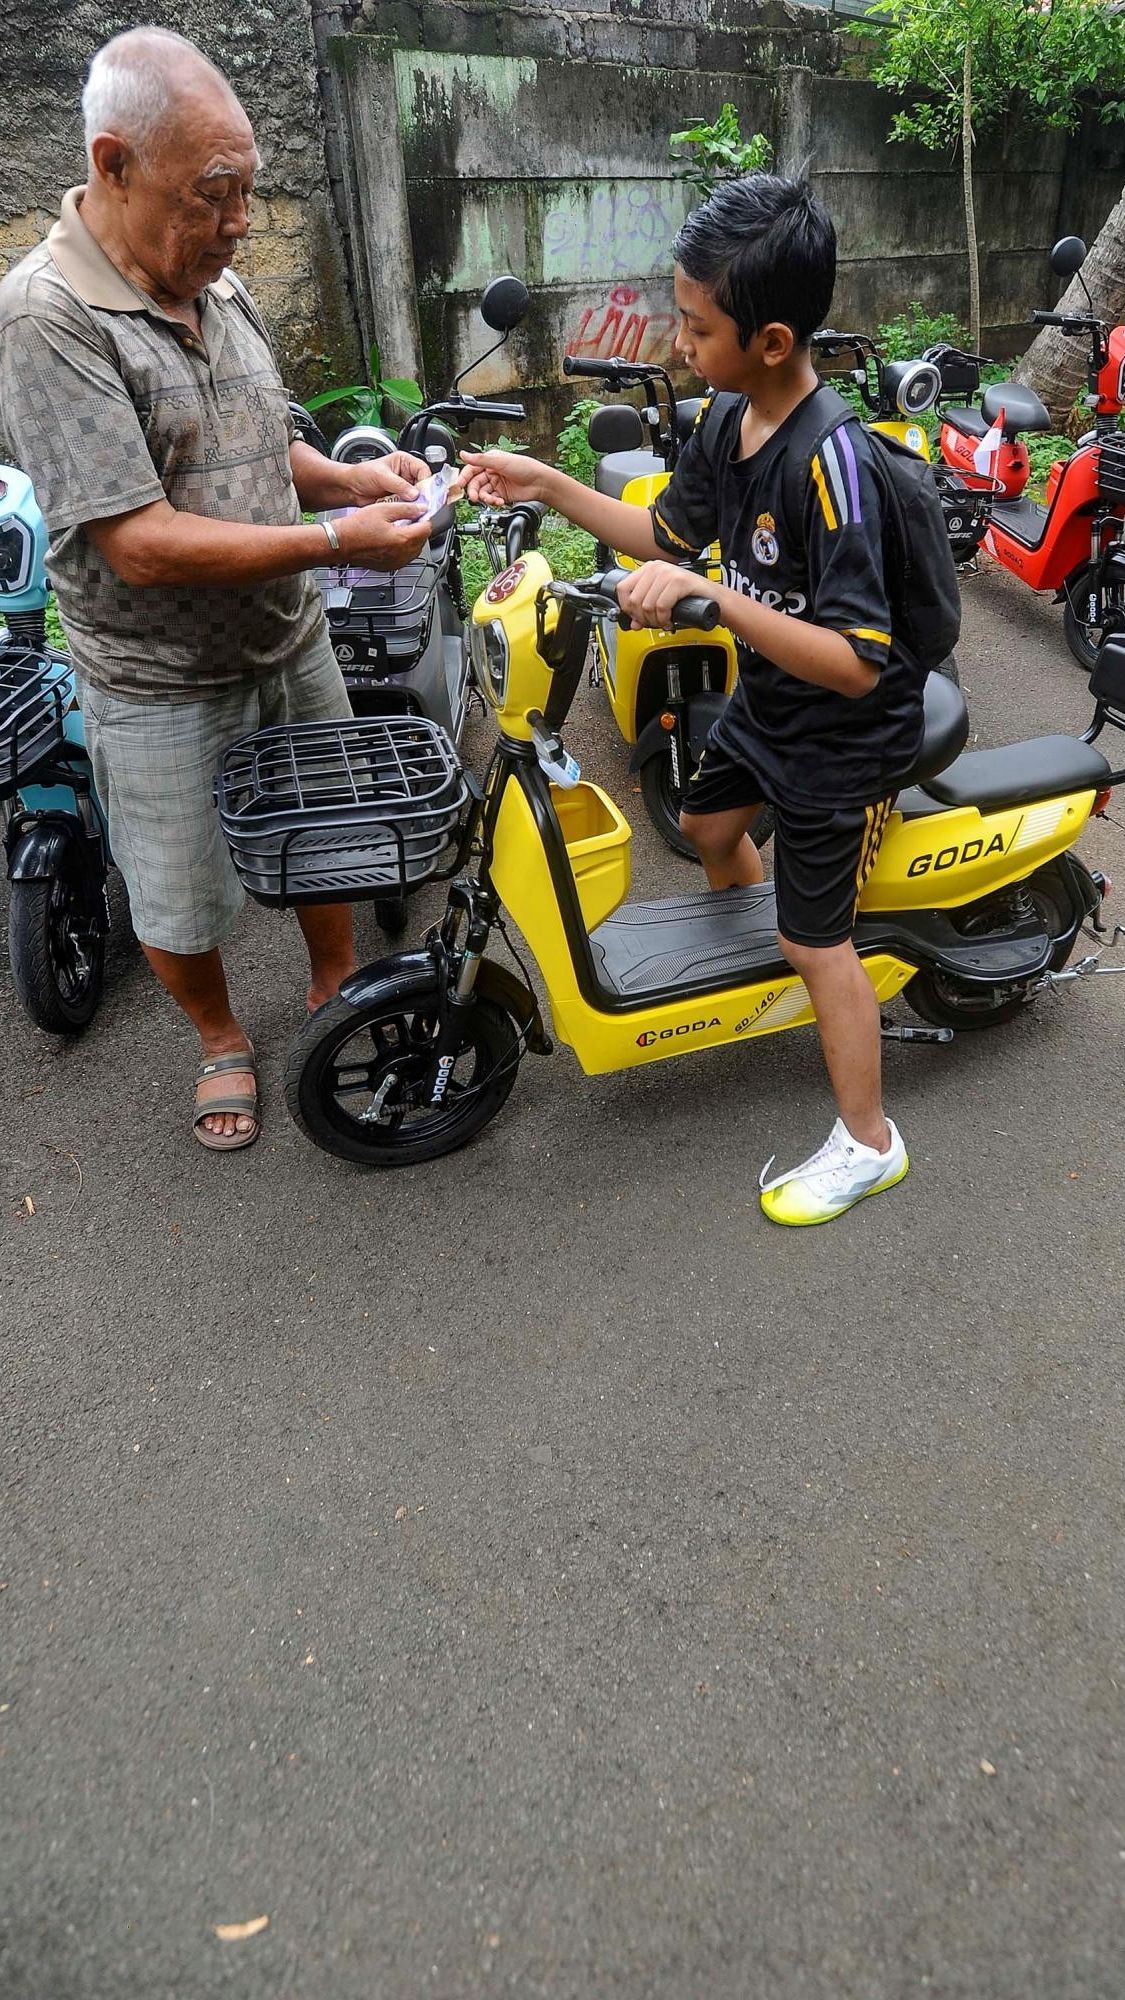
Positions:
(763, 541)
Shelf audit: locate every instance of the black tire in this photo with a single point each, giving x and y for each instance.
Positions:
(1082, 639)
(948, 1002)
(662, 798)
(408, 1134)
(58, 974)
(390, 915)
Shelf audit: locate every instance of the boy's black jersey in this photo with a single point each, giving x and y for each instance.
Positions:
(807, 743)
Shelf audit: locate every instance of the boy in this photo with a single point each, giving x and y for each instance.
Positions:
(827, 714)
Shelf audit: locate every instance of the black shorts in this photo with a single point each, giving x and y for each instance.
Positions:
(823, 855)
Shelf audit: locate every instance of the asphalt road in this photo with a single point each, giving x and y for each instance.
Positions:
(533, 1574)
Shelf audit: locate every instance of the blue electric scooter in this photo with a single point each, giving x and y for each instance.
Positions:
(55, 838)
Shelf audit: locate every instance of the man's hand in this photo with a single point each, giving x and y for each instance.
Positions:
(395, 477)
(651, 593)
(383, 536)
(501, 478)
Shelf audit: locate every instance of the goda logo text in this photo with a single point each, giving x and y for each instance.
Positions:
(652, 1035)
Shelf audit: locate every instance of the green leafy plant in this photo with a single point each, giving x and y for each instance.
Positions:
(574, 454)
(1042, 451)
(719, 152)
(569, 550)
(909, 333)
(365, 401)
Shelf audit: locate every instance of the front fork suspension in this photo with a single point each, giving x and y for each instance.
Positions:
(461, 942)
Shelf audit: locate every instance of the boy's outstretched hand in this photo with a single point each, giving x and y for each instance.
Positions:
(651, 593)
(501, 478)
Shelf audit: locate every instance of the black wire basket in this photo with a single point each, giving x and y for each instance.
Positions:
(967, 510)
(32, 712)
(326, 812)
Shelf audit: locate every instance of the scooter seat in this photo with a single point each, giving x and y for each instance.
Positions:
(687, 415)
(1021, 773)
(1022, 408)
(970, 423)
(617, 468)
(945, 729)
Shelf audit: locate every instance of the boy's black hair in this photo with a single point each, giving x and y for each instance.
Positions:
(765, 248)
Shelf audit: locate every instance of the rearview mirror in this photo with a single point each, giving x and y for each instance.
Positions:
(1068, 256)
(615, 427)
(504, 303)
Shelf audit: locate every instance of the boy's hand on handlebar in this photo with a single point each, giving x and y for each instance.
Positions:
(395, 477)
(651, 593)
(500, 478)
(384, 536)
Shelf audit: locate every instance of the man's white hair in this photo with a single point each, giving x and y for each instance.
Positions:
(134, 79)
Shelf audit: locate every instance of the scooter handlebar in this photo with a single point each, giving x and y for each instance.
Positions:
(694, 614)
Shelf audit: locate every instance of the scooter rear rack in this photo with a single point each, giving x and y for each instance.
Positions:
(32, 712)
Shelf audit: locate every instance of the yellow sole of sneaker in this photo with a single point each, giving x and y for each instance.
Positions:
(769, 1203)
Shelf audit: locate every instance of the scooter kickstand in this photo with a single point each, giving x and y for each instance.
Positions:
(892, 1032)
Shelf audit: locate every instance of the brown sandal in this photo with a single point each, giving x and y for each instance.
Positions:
(235, 1104)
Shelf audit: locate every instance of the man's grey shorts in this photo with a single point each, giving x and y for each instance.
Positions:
(154, 766)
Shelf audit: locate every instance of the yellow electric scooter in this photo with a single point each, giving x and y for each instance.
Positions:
(665, 689)
(974, 905)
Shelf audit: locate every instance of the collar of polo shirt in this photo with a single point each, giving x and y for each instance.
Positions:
(89, 272)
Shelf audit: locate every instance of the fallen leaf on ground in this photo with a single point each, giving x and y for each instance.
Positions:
(400, 1513)
(234, 1933)
(988, 1769)
(29, 1204)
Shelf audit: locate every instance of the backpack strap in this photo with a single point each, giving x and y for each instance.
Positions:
(821, 414)
(710, 421)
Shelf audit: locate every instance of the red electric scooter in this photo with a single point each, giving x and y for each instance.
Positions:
(1074, 544)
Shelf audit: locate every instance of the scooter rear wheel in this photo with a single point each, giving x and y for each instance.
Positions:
(352, 1076)
(57, 957)
(663, 797)
(948, 1002)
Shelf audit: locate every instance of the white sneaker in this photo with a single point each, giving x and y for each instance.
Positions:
(834, 1179)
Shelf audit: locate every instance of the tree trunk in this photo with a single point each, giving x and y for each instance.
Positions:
(967, 184)
(1055, 364)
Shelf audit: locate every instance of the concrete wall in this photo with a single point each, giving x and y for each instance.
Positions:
(465, 163)
(294, 259)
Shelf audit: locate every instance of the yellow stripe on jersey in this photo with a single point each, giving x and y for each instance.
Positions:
(672, 535)
(867, 632)
(822, 489)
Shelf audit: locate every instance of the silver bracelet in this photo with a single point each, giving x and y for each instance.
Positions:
(333, 537)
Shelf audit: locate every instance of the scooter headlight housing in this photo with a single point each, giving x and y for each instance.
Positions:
(488, 651)
(913, 386)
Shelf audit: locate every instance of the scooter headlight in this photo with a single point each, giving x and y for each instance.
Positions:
(913, 386)
(488, 651)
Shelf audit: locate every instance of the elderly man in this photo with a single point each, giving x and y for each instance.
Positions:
(139, 391)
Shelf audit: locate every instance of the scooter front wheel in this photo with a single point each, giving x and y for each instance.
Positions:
(663, 798)
(354, 1080)
(57, 954)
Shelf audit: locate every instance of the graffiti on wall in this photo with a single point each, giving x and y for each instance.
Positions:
(625, 323)
(595, 229)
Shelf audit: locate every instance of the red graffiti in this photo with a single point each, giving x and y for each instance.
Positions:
(623, 325)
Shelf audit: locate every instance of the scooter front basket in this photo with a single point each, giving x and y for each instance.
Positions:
(32, 713)
(326, 812)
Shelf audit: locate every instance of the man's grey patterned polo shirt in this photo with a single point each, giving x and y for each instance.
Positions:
(108, 404)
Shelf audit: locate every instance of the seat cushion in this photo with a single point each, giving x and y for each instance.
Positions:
(945, 729)
(1045, 768)
(614, 472)
(970, 423)
(1022, 408)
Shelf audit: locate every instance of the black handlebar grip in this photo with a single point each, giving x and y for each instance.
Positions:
(696, 614)
(1048, 318)
(595, 371)
(510, 412)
